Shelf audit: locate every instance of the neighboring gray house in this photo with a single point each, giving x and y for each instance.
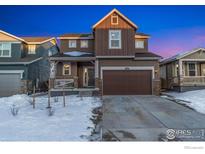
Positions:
(24, 62)
(185, 71)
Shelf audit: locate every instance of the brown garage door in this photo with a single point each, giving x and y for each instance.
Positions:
(127, 82)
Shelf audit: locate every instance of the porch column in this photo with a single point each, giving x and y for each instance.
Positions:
(180, 68)
(52, 69)
(180, 72)
(96, 69)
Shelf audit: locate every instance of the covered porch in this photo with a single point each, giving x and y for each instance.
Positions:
(191, 72)
(72, 73)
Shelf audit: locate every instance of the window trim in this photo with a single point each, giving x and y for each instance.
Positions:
(192, 70)
(139, 47)
(73, 46)
(110, 40)
(117, 18)
(69, 69)
(9, 49)
(81, 43)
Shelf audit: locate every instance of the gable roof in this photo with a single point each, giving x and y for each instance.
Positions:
(37, 40)
(115, 11)
(181, 55)
(8, 34)
(29, 40)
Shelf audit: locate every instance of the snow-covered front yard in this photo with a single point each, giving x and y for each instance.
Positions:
(70, 123)
(193, 99)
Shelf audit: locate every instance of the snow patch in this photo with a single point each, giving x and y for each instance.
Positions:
(70, 123)
(76, 53)
(194, 99)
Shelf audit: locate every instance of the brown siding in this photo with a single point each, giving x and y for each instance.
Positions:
(102, 43)
(121, 23)
(127, 48)
(64, 46)
(127, 34)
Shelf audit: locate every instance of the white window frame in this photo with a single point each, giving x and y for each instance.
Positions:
(138, 44)
(112, 17)
(70, 43)
(69, 68)
(110, 40)
(82, 45)
(31, 52)
(192, 70)
(2, 49)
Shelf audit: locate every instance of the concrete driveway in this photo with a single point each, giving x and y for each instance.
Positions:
(147, 118)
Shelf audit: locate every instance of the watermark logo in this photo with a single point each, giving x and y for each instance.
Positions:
(192, 134)
(171, 134)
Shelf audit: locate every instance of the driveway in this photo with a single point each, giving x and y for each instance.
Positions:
(147, 118)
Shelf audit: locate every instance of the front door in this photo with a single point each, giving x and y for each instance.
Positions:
(88, 77)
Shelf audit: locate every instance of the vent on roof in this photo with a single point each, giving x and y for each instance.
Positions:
(114, 19)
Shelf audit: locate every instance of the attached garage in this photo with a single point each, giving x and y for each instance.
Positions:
(10, 83)
(127, 82)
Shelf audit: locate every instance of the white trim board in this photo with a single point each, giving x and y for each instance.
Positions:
(12, 72)
(136, 68)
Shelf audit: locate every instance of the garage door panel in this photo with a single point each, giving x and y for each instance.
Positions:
(126, 82)
(9, 84)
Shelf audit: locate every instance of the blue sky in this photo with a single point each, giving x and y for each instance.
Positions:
(172, 28)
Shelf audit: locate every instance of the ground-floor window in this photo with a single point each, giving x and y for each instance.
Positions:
(66, 69)
(192, 69)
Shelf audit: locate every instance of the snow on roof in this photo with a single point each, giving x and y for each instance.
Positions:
(76, 53)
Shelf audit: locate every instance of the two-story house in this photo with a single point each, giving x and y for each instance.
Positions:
(24, 62)
(113, 59)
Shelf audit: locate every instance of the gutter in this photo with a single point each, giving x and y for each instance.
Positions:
(147, 58)
(117, 57)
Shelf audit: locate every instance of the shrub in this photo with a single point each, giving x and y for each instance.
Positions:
(14, 110)
(50, 112)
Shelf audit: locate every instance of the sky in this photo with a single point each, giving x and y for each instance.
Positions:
(173, 29)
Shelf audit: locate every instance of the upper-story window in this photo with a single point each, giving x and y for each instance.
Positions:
(84, 43)
(32, 49)
(72, 44)
(114, 19)
(5, 49)
(139, 44)
(115, 39)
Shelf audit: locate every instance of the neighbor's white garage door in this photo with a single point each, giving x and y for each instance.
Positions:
(9, 83)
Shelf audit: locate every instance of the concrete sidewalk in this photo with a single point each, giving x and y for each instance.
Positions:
(147, 118)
